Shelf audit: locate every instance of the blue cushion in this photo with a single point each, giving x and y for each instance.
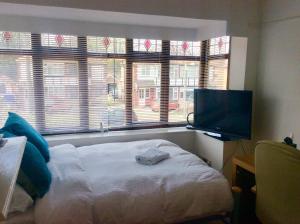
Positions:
(20, 127)
(34, 175)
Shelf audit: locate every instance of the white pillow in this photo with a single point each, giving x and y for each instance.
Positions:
(20, 200)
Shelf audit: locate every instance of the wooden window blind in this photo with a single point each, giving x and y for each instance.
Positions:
(66, 83)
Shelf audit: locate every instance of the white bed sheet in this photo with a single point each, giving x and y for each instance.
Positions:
(21, 217)
(103, 184)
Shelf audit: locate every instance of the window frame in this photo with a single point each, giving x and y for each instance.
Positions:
(81, 54)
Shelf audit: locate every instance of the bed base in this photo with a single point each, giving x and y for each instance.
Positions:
(226, 218)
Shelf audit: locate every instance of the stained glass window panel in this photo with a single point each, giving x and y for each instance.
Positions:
(185, 48)
(106, 92)
(104, 45)
(15, 40)
(184, 78)
(219, 45)
(59, 40)
(147, 45)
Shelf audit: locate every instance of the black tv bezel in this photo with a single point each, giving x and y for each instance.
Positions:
(225, 135)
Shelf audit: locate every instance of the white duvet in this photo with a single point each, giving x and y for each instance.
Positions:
(103, 184)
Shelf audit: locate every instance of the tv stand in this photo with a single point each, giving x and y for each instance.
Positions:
(217, 151)
(220, 137)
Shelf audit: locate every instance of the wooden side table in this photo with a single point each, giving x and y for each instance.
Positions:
(245, 162)
(243, 172)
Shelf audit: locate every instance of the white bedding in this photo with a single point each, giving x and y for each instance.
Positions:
(26, 217)
(103, 184)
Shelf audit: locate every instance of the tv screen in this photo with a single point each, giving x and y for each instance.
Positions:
(226, 112)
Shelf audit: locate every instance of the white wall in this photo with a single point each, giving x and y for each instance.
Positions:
(238, 58)
(278, 82)
(205, 9)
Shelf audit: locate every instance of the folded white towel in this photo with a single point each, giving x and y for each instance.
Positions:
(151, 156)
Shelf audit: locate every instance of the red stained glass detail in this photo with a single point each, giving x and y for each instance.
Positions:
(106, 42)
(7, 36)
(147, 44)
(185, 46)
(59, 39)
(220, 43)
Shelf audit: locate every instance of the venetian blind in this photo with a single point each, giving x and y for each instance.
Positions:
(66, 83)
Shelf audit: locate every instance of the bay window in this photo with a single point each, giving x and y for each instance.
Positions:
(61, 94)
(16, 87)
(217, 74)
(64, 83)
(145, 89)
(106, 89)
(184, 78)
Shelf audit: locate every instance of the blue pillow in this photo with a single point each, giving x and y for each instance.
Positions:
(34, 175)
(20, 127)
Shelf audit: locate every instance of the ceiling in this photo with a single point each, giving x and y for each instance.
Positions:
(33, 18)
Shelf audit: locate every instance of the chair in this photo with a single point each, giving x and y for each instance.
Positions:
(277, 170)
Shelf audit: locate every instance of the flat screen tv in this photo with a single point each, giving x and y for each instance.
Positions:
(225, 112)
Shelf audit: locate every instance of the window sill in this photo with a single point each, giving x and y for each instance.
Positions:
(80, 139)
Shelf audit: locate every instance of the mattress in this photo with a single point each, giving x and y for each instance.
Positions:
(103, 184)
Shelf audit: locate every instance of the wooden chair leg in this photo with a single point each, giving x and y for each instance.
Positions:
(236, 192)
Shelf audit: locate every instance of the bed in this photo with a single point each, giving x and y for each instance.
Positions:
(103, 184)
